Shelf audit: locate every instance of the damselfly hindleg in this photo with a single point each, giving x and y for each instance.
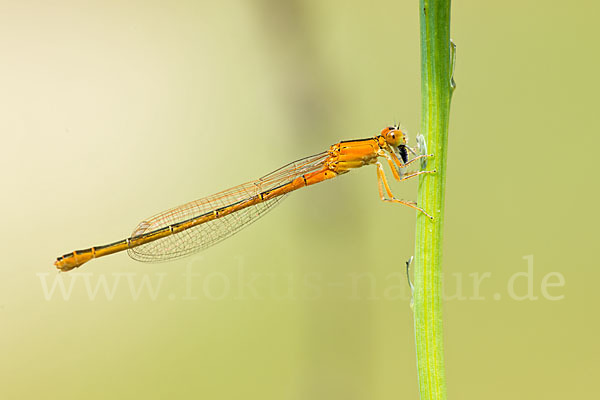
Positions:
(382, 183)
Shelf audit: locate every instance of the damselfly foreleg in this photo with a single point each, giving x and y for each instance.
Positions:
(398, 172)
(399, 162)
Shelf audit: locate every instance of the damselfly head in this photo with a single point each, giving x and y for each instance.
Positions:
(394, 136)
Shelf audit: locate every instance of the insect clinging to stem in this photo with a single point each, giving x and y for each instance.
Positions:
(197, 225)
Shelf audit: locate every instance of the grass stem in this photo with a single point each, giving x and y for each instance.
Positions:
(437, 85)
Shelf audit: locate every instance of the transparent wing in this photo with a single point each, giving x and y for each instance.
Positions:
(205, 235)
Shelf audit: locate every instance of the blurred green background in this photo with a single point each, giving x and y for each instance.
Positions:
(114, 111)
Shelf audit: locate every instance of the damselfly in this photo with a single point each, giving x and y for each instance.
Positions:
(194, 226)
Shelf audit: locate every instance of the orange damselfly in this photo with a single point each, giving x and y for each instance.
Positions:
(194, 226)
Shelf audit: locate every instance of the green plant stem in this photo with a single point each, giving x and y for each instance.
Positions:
(436, 88)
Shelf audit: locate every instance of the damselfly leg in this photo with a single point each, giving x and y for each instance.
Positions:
(383, 184)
